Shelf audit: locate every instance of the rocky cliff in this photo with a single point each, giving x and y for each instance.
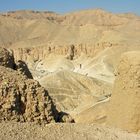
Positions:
(22, 99)
(124, 108)
(39, 53)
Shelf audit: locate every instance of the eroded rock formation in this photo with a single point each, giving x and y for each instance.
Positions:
(23, 99)
(6, 58)
(34, 54)
(71, 52)
(124, 108)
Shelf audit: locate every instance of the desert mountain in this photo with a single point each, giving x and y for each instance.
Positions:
(42, 40)
(89, 27)
(75, 58)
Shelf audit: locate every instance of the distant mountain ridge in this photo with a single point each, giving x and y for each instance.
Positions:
(35, 28)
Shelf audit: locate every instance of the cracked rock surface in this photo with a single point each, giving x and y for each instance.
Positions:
(24, 100)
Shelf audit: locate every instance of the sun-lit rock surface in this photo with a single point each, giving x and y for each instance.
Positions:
(24, 100)
(74, 57)
(125, 104)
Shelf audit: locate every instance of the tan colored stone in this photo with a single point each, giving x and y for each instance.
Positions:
(23, 99)
(6, 58)
(124, 108)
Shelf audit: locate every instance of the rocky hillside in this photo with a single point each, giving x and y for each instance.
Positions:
(89, 28)
(22, 99)
(84, 46)
(55, 65)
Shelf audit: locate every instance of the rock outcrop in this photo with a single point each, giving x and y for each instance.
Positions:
(6, 58)
(71, 52)
(24, 100)
(22, 67)
(124, 108)
(27, 54)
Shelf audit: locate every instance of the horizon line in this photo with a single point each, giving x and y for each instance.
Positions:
(71, 11)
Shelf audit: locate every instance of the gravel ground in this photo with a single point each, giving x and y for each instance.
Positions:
(31, 131)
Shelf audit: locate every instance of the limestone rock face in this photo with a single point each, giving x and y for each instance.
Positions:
(24, 100)
(6, 58)
(28, 54)
(71, 52)
(124, 109)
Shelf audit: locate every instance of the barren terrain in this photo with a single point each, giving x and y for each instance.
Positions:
(16, 131)
(74, 59)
